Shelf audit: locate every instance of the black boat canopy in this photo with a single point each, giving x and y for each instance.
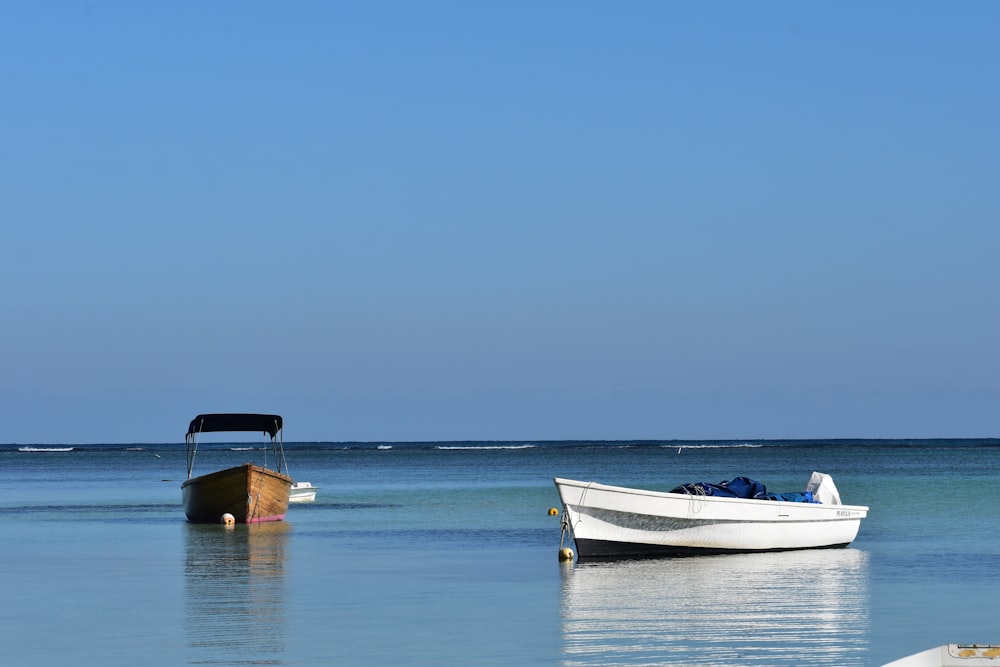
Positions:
(269, 424)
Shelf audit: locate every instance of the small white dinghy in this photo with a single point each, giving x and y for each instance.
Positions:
(952, 655)
(302, 492)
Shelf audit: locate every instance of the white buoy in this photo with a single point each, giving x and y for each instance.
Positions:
(228, 519)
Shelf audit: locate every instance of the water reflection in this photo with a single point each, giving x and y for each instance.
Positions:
(791, 608)
(235, 593)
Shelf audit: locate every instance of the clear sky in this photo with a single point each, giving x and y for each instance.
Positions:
(518, 220)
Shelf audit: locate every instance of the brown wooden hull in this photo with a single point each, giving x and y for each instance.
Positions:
(250, 493)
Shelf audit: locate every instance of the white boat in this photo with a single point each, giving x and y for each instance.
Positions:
(952, 655)
(618, 522)
(302, 492)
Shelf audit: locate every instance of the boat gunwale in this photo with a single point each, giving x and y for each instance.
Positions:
(226, 471)
(632, 491)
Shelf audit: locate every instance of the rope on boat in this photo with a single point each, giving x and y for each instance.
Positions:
(253, 501)
(697, 498)
(566, 524)
(583, 496)
(565, 521)
(566, 528)
(565, 553)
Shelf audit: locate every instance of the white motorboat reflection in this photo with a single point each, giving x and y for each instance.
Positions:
(789, 608)
(235, 593)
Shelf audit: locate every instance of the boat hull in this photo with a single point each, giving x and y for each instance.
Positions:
(617, 522)
(250, 493)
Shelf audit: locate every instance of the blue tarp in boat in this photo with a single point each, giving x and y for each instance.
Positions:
(738, 487)
(741, 487)
(794, 497)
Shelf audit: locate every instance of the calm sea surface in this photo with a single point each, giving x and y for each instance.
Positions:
(444, 554)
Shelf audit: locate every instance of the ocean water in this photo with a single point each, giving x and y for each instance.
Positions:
(444, 554)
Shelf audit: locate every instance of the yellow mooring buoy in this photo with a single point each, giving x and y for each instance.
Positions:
(565, 554)
(553, 511)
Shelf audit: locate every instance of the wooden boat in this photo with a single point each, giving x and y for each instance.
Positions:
(249, 493)
(303, 492)
(618, 522)
(952, 655)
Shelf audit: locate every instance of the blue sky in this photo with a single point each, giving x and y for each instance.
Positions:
(527, 220)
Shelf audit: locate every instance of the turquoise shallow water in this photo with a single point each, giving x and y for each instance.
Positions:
(444, 554)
